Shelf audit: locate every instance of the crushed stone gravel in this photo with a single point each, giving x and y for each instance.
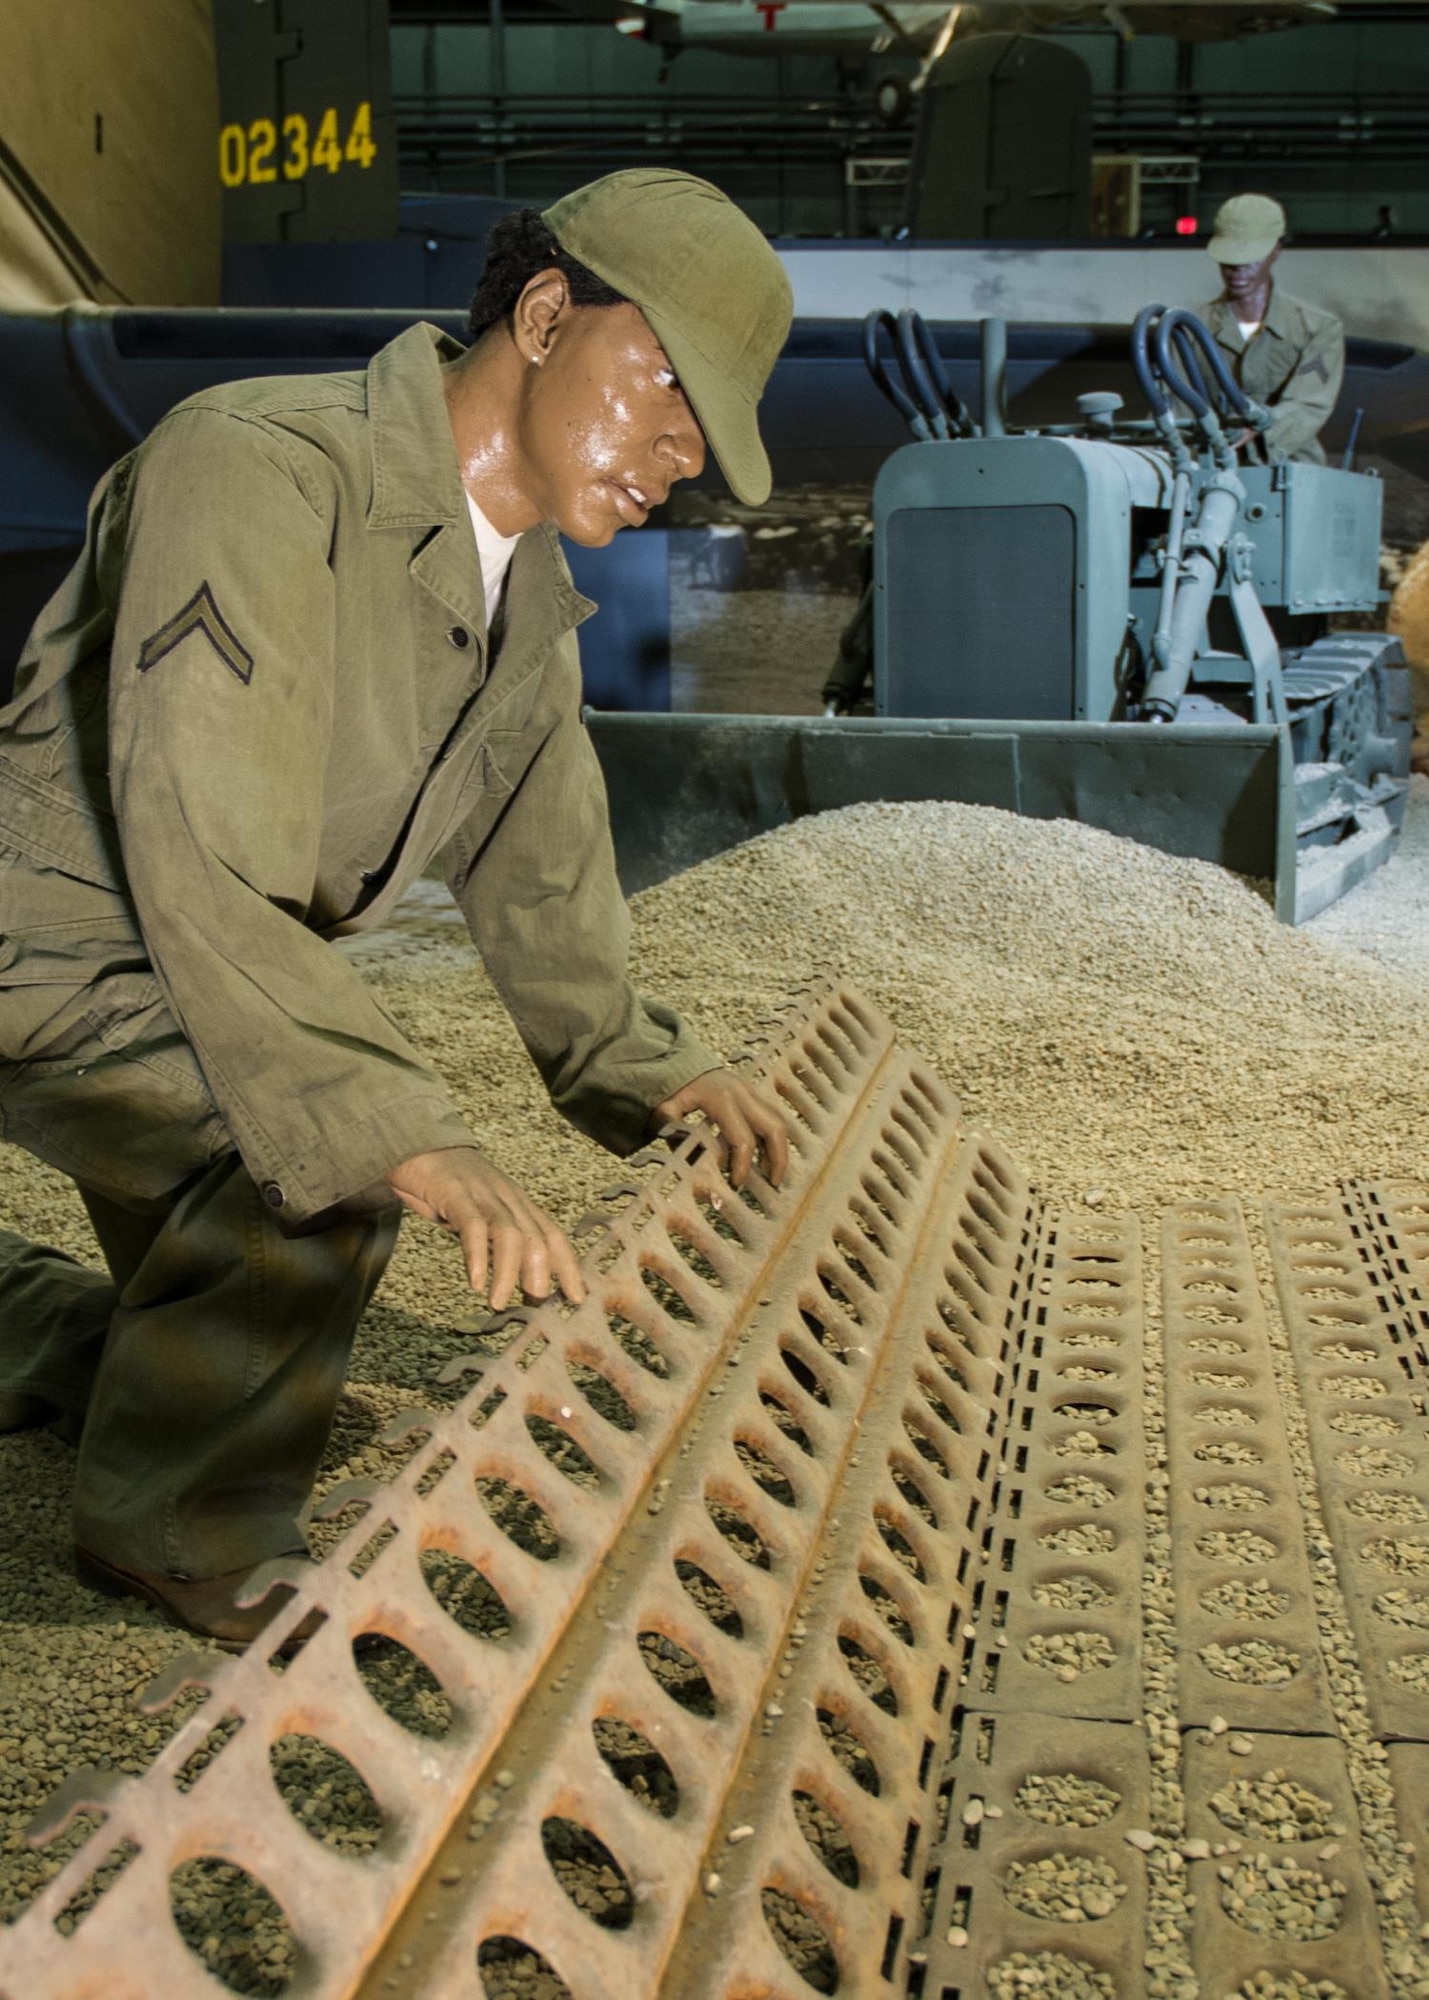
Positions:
(1254, 1662)
(1069, 1654)
(1277, 1899)
(1273, 1806)
(1065, 1798)
(1064, 1888)
(1050, 1975)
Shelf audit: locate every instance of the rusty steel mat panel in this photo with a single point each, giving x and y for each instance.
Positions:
(812, 1381)
(1285, 1895)
(846, 1860)
(1248, 1641)
(675, 1278)
(1035, 1856)
(1060, 1626)
(838, 1622)
(1362, 1380)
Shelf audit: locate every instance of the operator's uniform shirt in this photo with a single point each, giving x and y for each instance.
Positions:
(1294, 362)
(263, 701)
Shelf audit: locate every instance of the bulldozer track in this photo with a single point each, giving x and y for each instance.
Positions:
(782, 1604)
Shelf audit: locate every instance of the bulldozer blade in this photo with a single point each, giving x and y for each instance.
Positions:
(686, 787)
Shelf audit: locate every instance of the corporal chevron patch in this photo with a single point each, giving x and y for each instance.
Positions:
(200, 614)
(1316, 365)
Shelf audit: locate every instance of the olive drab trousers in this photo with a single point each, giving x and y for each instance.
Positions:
(201, 1376)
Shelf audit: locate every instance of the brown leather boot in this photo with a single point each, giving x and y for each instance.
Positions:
(205, 1605)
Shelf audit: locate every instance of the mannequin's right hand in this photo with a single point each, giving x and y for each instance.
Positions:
(501, 1230)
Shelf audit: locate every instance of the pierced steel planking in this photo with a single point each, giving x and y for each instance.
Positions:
(1358, 1341)
(1069, 1495)
(1232, 1476)
(873, 1248)
(1234, 1936)
(995, 1824)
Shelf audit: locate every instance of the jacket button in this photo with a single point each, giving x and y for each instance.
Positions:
(459, 636)
(273, 1194)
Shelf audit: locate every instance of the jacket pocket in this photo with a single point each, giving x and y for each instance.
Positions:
(60, 939)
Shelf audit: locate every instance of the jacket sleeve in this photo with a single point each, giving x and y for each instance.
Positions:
(1304, 405)
(545, 910)
(222, 700)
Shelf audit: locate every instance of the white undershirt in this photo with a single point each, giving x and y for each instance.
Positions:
(1248, 327)
(494, 553)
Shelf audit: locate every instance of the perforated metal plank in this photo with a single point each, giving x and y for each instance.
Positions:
(827, 1062)
(1391, 1229)
(870, 1295)
(1403, 1207)
(860, 1481)
(1060, 1630)
(1315, 1883)
(1360, 1381)
(1244, 1604)
(954, 1314)
(1009, 1803)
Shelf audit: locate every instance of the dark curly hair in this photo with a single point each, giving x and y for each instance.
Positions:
(518, 247)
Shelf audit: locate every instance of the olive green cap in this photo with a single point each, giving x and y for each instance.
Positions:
(1247, 228)
(714, 292)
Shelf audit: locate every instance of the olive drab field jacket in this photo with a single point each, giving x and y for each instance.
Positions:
(1295, 363)
(261, 703)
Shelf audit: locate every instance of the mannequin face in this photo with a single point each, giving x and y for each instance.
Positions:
(602, 429)
(1247, 286)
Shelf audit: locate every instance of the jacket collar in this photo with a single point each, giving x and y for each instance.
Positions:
(416, 483)
(1279, 310)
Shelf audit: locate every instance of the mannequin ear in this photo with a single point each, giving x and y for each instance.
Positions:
(540, 312)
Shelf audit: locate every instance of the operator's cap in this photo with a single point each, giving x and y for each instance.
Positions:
(1247, 228)
(714, 292)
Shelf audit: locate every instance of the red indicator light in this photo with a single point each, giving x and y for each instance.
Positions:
(1185, 225)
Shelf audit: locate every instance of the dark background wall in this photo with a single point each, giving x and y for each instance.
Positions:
(1329, 115)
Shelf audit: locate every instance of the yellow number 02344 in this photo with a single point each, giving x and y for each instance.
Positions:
(246, 154)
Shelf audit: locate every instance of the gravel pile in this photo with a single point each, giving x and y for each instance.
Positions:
(1233, 1497)
(1290, 1985)
(1253, 1597)
(1411, 1670)
(1083, 1540)
(1070, 1593)
(1253, 1663)
(1236, 1546)
(1083, 1444)
(1373, 1506)
(1069, 1654)
(1275, 1899)
(1051, 1975)
(1403, 1607)
(1064, 1888)
(1064, 1798)
(1134, 1027)
(1275, 1806)
(1079, 1489)
(1373, 1461)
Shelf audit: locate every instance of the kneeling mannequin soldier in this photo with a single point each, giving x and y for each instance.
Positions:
(321, 631)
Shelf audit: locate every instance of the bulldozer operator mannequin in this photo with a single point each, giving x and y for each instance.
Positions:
(1282, 351)
(321, 632)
